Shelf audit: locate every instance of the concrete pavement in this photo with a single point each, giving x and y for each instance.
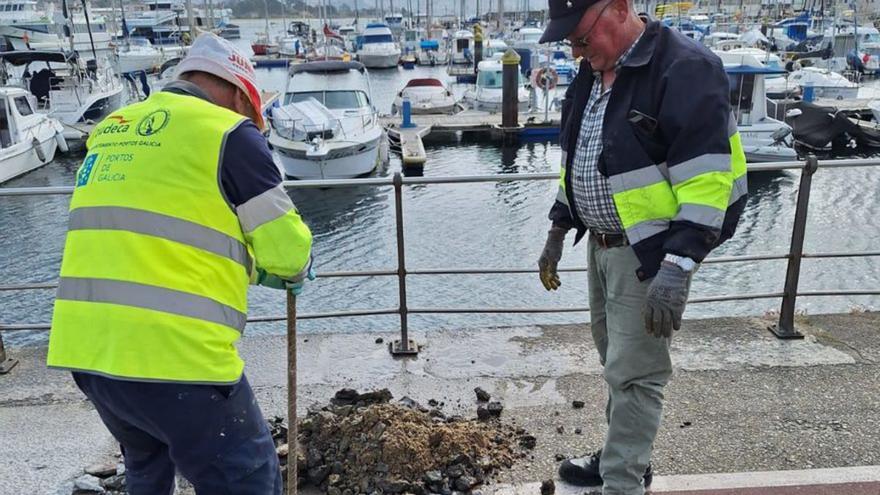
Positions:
(740, 401)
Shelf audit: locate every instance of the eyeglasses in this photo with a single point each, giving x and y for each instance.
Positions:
(582, 41)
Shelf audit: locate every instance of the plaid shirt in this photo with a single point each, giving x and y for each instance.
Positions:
(592, 194)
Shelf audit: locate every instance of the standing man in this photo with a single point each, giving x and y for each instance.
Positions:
(177, 207)
(653, 168)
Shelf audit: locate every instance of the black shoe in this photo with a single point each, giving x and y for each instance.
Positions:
(584, 471)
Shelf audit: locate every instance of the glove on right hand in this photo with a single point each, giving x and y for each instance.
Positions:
(550, 257)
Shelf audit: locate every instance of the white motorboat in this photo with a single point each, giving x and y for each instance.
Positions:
(775, 84)
(328, 51)
(426, 96)
(825, 83)
(77, 94)
(526, 38)
(24, 27)
(291, 46)
(763, 138)
(493, 46)
(327, 127)
(461, 59)
(394, 23)
(410, 40)
(138, 54)
(378, 51)
(158, 25)
(431, 53)
(463, 48)
(349, 36)
(715, 39)
(486, 95)
(28, 140)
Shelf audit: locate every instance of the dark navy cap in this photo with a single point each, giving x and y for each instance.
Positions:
(564, 17)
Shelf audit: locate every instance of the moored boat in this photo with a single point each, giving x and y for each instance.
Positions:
(426, 96)
(327, 127)
(28, 139)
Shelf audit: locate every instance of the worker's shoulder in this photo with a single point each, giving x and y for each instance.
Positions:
(674, 49)
(245, 134)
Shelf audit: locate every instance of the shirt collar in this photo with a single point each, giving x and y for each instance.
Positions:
(181, 87)
(643, 49)
(624, 57)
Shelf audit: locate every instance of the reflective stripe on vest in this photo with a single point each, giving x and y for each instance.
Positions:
(738, 164)
(150, 297)
(164, 226)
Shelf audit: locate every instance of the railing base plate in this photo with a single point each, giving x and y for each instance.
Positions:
(7, 365)
(397, 349)
(780, 333)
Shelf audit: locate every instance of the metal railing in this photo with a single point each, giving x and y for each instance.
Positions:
(784, 328)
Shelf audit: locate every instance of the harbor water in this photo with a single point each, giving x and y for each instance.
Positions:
(483, 225)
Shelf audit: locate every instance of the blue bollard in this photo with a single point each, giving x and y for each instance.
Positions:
(808, 95)
(407, 115)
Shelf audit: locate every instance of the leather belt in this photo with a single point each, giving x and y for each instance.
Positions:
(608, 240)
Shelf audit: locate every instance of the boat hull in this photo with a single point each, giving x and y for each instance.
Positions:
(835, 92)
(379, 61)
(129, 62)
(339, 163)
(761, 154)
(22, 158)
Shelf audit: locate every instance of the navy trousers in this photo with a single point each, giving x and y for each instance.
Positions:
(215, 436)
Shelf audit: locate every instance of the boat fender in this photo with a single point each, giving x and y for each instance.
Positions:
(36, 144)
(62, 143)
(545, 78)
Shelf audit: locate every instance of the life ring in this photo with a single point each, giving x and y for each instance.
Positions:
(545, 78)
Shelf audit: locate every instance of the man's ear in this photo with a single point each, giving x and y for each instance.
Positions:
(243, 104)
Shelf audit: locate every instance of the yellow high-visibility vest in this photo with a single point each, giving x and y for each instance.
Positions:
(156, 267)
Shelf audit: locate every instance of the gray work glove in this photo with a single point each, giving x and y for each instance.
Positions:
(550, 258)
(666, 300)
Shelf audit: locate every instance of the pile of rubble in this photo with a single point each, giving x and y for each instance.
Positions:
(108, 479)
(367, 444)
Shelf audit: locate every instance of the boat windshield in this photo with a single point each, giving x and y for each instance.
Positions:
(378, 38)
(871, 38)
(491, 79)
(333, 100)
(530, 38)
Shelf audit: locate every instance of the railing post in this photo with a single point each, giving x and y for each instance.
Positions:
(291, 396)
(404, 346)
(6, 363)
(785, 328)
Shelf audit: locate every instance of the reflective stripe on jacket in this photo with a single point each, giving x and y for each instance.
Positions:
(671, 150)
(157, 263)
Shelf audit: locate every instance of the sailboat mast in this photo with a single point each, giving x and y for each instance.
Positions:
(189, 19)
(89, 28)
(500, 26)
(429, 11)
(123, 25)
(266, 9)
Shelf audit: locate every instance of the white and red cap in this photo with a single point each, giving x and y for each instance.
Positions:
(217, 56)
